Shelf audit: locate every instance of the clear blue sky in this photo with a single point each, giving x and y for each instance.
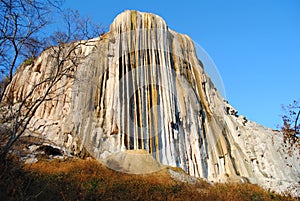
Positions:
(254, 44)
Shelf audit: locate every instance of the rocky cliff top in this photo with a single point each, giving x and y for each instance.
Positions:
(131, 20)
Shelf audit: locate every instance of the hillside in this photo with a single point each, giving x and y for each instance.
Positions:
(77, 179)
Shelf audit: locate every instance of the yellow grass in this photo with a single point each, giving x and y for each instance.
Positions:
(88, 180)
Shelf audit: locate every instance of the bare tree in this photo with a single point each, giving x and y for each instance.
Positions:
(76, 28)
(291, 127)
(65, 57)
(21, 22)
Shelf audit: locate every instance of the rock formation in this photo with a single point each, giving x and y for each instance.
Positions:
(141, 86)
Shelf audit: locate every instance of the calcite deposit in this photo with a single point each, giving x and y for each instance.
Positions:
(141, 86)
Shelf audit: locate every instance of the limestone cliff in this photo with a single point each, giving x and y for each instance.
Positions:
(141, 86)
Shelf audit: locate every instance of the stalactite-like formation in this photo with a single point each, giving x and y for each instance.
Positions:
(142, 87)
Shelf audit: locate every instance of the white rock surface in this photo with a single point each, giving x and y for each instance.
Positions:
(180, 176)
(142, 87)
(133, 162)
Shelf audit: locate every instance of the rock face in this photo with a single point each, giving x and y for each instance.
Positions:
(141, 86)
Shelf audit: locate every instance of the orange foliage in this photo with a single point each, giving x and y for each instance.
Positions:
(78, 179)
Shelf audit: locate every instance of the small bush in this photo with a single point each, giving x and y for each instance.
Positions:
(28, 61)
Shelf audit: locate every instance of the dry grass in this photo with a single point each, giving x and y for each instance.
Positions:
(88, 180)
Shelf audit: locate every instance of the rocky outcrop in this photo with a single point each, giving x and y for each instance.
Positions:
(133, 162)
(141, 86)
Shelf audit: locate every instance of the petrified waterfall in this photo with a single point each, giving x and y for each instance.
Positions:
(141, 86)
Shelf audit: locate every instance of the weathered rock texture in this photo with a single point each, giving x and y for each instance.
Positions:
(133, 162)
(142, 86)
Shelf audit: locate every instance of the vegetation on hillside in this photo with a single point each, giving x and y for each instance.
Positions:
(291, 127)
(76, 179)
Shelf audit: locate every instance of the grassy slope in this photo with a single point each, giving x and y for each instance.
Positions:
(88, 180)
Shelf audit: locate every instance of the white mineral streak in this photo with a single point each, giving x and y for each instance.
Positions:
(142, 87)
